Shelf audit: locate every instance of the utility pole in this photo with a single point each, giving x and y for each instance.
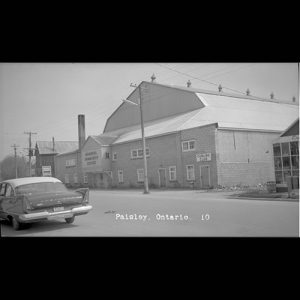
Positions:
(16, 166)
(30, 150)
(146, 187)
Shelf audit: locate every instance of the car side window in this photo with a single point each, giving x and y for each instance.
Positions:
(2, 189)
(9, 191)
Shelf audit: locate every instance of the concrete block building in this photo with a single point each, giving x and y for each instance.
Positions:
(194, 138)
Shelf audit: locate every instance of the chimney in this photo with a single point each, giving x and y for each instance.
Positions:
(153, 78)
(81, 131)
(248, 92)
(272, 95)
(220, 88)
(53, 144)
(188, 83)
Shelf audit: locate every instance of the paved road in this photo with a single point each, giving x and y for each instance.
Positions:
(195, 213)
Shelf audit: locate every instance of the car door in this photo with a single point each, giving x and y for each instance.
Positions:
(2, 199)
(9, 202)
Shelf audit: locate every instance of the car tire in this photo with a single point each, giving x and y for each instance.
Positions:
(16, 224)
(70, 220)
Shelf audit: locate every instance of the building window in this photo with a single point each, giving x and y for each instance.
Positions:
(67, 178)
(294, 148)
(172, 173)
(133, 153)
(278, 177)
(140, 175)
(286, 173)
(139, 153)
(286, 160)
(70, 162)
(75, 178)
(188, 145)
(190, 172)
(120, 176)
(107, 155)
(114, 156)
(285, 149)
(277, 163)
(295, 162)
(85, 179)
(276, 150)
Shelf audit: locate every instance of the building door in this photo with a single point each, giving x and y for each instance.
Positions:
(98, 180)
(205, 177)
(162, 177)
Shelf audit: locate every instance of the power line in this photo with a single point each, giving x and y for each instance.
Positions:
(206, 81)
(230, 71)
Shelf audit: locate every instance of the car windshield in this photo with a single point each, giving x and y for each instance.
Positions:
(40, 187)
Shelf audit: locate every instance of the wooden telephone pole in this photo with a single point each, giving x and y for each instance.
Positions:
(30, 150)
(16, 165)
(146, 187)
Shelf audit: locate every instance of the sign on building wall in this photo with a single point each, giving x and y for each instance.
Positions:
(203, 157)
(46, 171)
(90, 158)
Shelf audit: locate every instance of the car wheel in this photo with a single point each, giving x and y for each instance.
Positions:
(70, 220)
(16, 224)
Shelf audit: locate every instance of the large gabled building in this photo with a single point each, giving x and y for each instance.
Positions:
(194, 138)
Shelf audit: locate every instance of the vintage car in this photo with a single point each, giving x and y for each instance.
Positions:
(33, 199)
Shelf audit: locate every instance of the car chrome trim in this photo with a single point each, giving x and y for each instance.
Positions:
(45, 214)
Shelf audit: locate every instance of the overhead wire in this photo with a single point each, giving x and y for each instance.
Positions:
(197, 78)
(204, 80)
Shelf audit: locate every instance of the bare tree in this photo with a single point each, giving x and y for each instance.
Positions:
(7, 167)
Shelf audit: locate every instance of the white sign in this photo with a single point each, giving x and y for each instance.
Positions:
(203, 157)
(46, 171)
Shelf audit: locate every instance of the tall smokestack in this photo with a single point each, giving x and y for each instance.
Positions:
(81, 131)
(53, 144)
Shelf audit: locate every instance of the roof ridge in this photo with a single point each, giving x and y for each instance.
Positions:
(203, 91)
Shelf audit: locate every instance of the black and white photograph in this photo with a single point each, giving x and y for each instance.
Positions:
(149, 149)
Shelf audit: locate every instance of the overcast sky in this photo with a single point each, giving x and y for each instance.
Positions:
(47, 97)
